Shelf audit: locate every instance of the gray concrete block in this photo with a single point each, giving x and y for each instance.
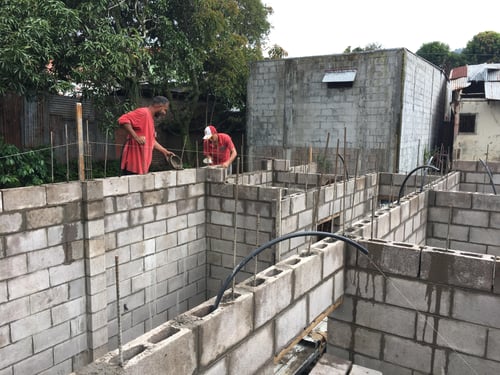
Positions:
(385, 318)
(68, 310)
(253, 353)
(493, 349)
(114, 186)
(400, 259)
(462, 364)
(219, 368)
(16, 352)
(23, 198)
(13, 266)
(26, 241)
(307, 272)
(463, 337)
(290, 324)
(454, 199)
(484, 236)
(333, 252)
(70, 348)
(364, 285)
(476, 308)
(360, 370)
(10, 223)
(367, 342)
(408, 353)
(472, 218)
(30, 325)
(41, 259)
(457, 268)
(223, 328)
(28, 284)
(272, 296)
(66, 272)
(320, 298)
(382, 366)
(34, 364)
(329, 364)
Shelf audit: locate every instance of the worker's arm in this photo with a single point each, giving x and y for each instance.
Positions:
(232, 156)
(139, 139)
(162, 149)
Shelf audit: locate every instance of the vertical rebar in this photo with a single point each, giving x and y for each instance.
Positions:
(235, 218)
(315, 210)
(52, 155)
(257, 245)
(242, 153)
(345, 182)
(450, 214)
(118, 311)
(354, 189)
(373, 217)
(197, 156)
(67, 151)
(106, 153)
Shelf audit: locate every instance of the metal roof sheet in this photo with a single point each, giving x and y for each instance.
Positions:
(492, 90)
(339, 75)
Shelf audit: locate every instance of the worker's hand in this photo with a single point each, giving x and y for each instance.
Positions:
(224, 165)
(168, 153)
(141, 140)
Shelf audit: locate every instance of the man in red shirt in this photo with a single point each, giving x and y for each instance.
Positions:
(218, 147)
(141, 139)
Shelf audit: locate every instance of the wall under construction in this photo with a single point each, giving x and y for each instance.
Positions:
(60, 242)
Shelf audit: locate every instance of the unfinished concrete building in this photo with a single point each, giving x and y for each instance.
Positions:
(119, 276)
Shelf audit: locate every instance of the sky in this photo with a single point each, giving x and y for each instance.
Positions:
(325, 27)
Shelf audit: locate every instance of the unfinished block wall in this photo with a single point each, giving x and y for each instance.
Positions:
(475, 178)
(249, 330)
(464, 221)
(418, 309)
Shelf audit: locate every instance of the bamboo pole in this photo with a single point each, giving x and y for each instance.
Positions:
(79, 130)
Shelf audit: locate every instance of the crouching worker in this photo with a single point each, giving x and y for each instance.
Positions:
(218, 148)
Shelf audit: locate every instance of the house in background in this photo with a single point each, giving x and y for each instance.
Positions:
(387, 106)
(476, 112)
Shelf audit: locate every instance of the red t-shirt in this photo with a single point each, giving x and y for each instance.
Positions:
(137, 158)
(220, 152)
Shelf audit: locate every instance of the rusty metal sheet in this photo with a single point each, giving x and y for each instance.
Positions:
(492, 90)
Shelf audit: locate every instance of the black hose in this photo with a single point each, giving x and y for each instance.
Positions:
(489, 174)
(271, 243)
(408, 176)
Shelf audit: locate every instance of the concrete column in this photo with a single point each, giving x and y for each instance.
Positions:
(95, 268)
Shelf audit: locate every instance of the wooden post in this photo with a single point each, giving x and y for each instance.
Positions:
(79, 129)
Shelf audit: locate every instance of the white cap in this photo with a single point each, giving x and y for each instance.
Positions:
(209, 131)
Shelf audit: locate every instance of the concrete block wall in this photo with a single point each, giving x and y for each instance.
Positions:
(43, 283)
(464, 221)
(417, 309)
(248, 330)
(155, 224)
(474, 177)
(58, 245)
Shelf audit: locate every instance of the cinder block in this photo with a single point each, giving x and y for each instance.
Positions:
(66, 272)
(111, 186)
(16, 352)
(367, 342)
(10, 223)
(30, 325)
(399, 259)
(187, 176)
(333, 255)
(290, 324)
(68, 310)
(385, 318)
(64, 192)
(223, 328)
(215, 174)
(408, 353)
(413, 294)
(219, 368)
(70, 348)
(26, 241)
(457, 336)
(476, 308)
(484, 236)
(329, 364)
(493, 350)
(24, 197)
(469, 217)
(13, 266)
(340, 334)
(480, 365)
(320, 298)
(28, 284)
(253, 353)
(364, 285)
(307, 271)
(467, 270)
(42, 259)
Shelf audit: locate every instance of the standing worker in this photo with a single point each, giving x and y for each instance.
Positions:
(218, 148)
(141, 139)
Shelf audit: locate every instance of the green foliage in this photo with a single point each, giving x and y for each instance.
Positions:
(483, 48)
(368, 47)
(22, 169)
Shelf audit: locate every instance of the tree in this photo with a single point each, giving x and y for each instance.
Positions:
(437, 53)
(483, 48)
(32, 34)
(368, 47)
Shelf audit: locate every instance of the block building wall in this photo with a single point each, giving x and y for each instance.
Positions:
(396, 99)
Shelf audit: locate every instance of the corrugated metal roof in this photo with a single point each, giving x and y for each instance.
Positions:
(492, 90)
(339, 75)
(462, 77)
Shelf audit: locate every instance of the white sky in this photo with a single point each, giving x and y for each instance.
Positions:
(324, 27)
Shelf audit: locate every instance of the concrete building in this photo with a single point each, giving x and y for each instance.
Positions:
(429, 284)
(476, 109)
(387, 106)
